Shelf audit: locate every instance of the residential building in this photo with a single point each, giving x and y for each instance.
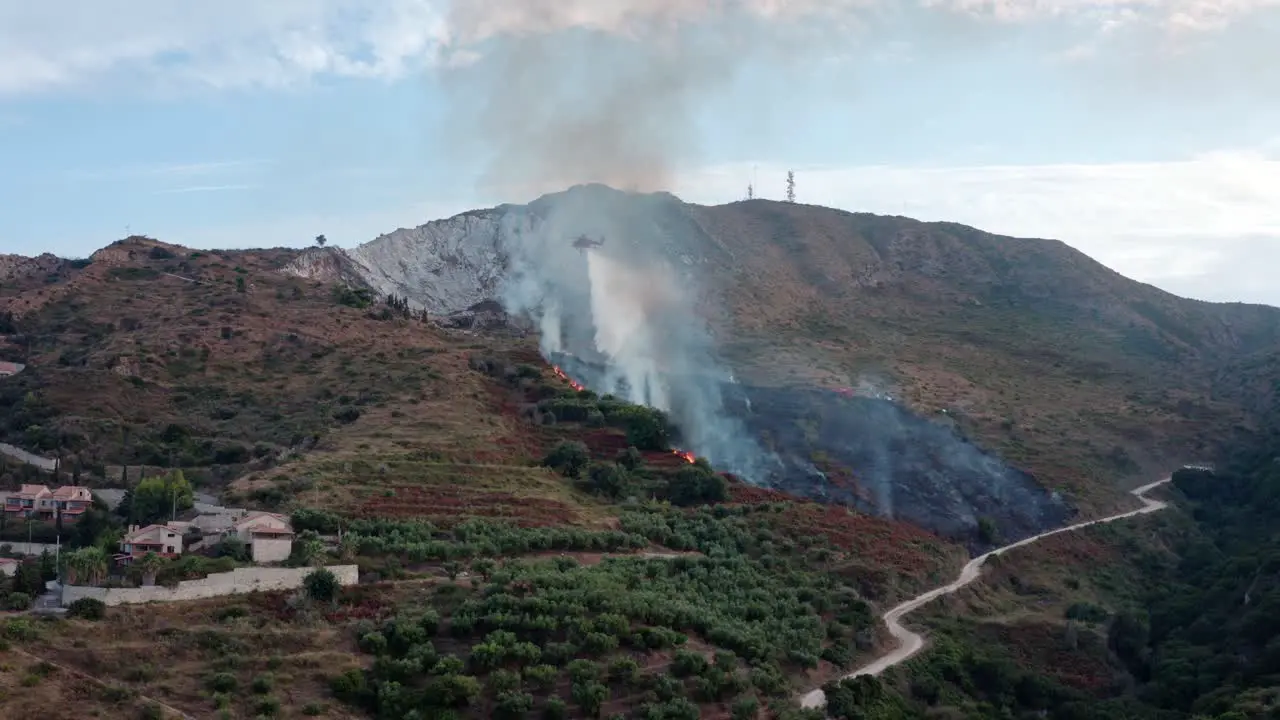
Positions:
(10, 368)
(164, 540)
(28, 499)
(9, 566)
(43, 503)
(72, 500)
(267, 536)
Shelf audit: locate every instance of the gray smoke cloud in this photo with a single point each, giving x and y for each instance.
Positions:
(627, 307)
(556, 93)
(568, 93)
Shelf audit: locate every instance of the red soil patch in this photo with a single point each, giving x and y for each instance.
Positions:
(873, 540)
(1071, 549)
(744, 494)
(450, 504)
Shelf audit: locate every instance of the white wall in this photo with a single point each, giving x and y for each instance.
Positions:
(239, 580)
(267, 550)
(26, 548)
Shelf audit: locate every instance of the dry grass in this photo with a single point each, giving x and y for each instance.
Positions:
(171, 653)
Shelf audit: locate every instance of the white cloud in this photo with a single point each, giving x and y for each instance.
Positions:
(227, 43)
(1208, 227)
(169, 170)
(61, 44)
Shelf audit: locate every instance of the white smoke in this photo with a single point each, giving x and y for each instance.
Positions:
(625, 307)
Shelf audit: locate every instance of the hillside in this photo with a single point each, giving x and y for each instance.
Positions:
(449, 459)
(1085, 379)
(1169, 617)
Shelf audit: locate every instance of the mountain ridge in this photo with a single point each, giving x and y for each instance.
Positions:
(991, 329)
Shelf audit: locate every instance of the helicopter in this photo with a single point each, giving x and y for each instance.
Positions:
(584, 243)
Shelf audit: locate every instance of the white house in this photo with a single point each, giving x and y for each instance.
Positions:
(163, 540)
(268, 536)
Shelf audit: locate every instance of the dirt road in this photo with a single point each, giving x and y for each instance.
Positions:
(910, 643)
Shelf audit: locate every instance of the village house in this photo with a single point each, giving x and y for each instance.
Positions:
(164, 540)
(267, 536)
(43, 503)
(9, 566)
(10, 368)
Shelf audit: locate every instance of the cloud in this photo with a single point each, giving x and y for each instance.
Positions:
(169, 170)
(231, 43)
(1207, 226)
(59, 45)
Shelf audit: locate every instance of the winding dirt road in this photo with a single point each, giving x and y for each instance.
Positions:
(910, 643)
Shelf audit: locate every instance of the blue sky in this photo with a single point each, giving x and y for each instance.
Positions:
(1144, 133)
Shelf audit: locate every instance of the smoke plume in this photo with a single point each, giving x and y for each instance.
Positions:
(624, 312)
(560, 92)
(557, 93)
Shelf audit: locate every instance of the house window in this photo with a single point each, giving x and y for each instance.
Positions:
(169, 549)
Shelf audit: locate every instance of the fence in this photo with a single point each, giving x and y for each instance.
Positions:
(239, 580)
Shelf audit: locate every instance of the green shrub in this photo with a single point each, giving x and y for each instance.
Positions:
(87, 608)
(262, 684)
(568, 458)
(321, 584)
(223, 683)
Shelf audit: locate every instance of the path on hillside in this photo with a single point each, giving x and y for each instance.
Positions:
(22, 456)
(910, 643)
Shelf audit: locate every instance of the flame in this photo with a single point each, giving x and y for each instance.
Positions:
(688, 456)
(560, 374)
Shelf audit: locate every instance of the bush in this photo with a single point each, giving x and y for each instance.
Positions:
(358, 298)
(1087, 612)
(346, 416)
(608, 480)
(555, 709)
(325, 523)
(87, 608)
(321, 584)
(695, 485)
(263, 684)
(223, 683)
(268, 706)
(17, 602)
(568, 458)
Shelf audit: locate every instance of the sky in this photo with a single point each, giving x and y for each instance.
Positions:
(1145, 133)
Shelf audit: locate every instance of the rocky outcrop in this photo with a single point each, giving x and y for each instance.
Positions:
(444, 266)
(16, 266)
(327, 265)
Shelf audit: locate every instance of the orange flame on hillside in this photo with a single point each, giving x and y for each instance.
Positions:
(560, 374)
(688, 456)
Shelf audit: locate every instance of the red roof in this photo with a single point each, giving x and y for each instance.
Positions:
(73, 492)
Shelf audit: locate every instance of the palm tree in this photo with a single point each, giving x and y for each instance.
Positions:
(76, 565)
(149, 565)
(89, 565)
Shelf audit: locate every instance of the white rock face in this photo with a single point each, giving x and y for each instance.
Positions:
(443, 266)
